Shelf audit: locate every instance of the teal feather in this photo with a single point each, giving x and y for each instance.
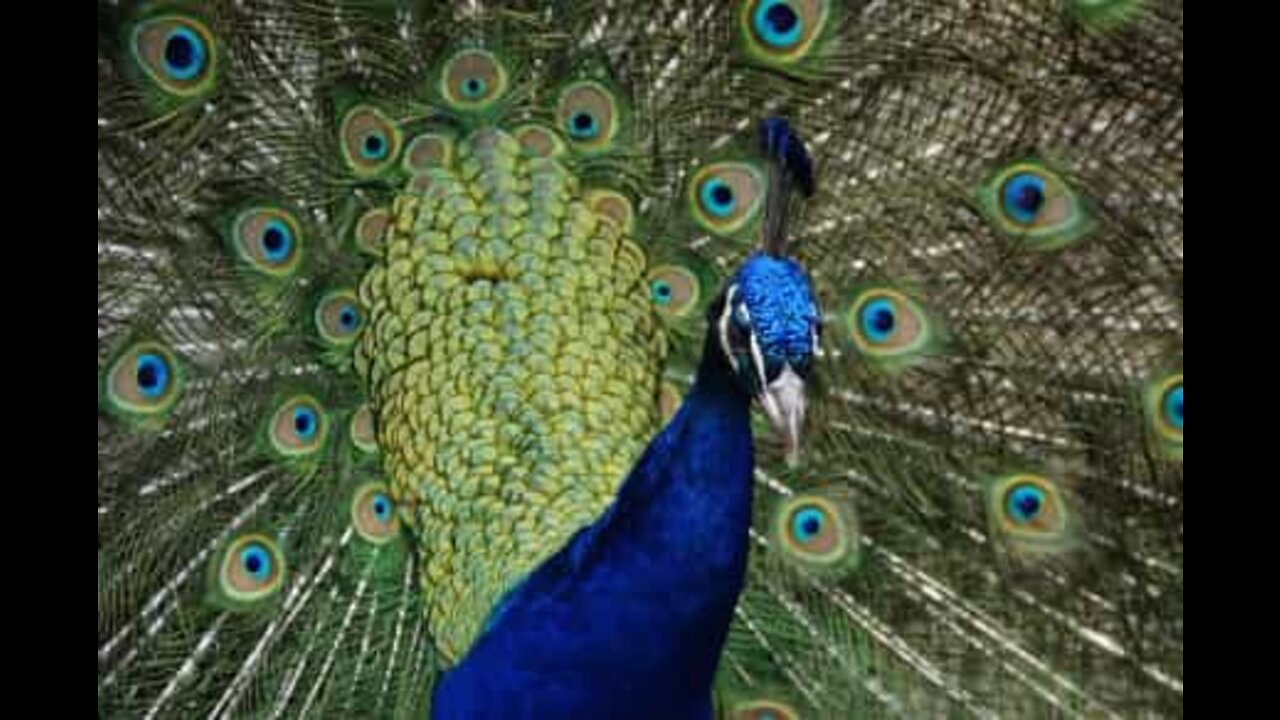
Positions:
(984, 523)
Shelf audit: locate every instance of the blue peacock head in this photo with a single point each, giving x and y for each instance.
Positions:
(770, 329)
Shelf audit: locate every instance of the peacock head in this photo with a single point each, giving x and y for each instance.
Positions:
(769, 327)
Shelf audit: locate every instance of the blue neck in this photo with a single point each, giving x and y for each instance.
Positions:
(715, 417)
(634, 613)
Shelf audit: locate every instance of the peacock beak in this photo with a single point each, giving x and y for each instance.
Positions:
(784, 403)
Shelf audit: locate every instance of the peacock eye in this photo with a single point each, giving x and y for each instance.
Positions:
(185, 54)
(1032, 203)
(879, 321)
(339, 319)
(349, 318)
(305, 423)
(474, 88)
(726, 197)
(298, 428)
(783, 31)
(584, 126)
(1024, 197)
(177, 53)
(887, 326)
(1031, 514)
(250, 569)
(663, 293)
(778, 24)
(884, 320)
(675, 290)
(473, 80)
(817, 533)
(807, 525)
(1166, 412)
(1174, 407)
(255, 560)
(152, 375)
(277, 242)
(718, 198)
(1025, 504)
(268, 241)
(370, 141)
(373, 514)
(142, 382)
(742, 316)
(374, 146)
(590, 115)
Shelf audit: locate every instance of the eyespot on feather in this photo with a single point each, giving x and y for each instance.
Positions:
(817, 532)
(371, 231)
(249, 570)
(298, 428)
(268, 240)
(1029, 202)
(143, 382)
(363, 431)
(782, 32)
(1031, 515)
(589, 115)
(726, 197)
(374, 515)
(371, 141)
(177, 53)
(887, 327)
(339, 318)
(473, 80)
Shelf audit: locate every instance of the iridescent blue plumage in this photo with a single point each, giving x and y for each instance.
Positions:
(629, 620)
(781, 306)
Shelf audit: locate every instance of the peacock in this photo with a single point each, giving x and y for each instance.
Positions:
(560, 359)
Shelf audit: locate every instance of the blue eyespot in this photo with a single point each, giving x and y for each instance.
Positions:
(375, 146)
(584, 126)
(778, 24)
(185, 55)
(663, 293)
(718, 198)
(1174, 409)
(256, 561)
(475, 88)
(305, 423)
(1025, 195)
(807, 525)
(879, 321)
(277, 242)
(349, 318)
(152, 375)
(382, 508)
(1025, 504)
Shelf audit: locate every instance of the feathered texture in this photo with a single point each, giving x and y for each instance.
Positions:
(987, 520)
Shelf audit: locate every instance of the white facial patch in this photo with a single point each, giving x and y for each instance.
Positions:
(726, 317)
(784, 403)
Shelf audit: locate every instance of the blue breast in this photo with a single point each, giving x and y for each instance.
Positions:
(629, 620)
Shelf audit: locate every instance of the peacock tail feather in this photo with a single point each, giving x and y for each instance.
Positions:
(392, 294)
